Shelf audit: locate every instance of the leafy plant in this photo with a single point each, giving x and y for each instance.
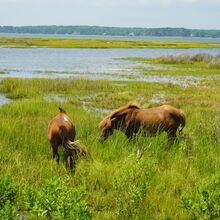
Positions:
(206, 203)
(57, 200)
(8, 211)
(8, 192)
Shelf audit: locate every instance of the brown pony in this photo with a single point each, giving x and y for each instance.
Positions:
(150, 122)
(61, 132)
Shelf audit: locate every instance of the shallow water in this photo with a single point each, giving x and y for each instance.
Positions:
(83, 100)
(87, 63)
(56, 98)
(4, 100)
(158, 98)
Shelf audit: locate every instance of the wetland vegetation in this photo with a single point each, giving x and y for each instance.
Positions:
(178, 181)
(18, 42)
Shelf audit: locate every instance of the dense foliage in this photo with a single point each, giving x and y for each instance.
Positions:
(8, 193)
(57, 200)
(99, 30)
(206, 203)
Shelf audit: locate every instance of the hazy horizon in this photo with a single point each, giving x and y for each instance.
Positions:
(108, 26)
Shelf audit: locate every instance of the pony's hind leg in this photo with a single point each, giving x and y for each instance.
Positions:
(55, 153)
(70, 162)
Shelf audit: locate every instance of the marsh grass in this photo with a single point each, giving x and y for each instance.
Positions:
(186, 58)
(198, 69)
(114, 184)
(98, 43)
(215, 62)
(193, 63)
(3, 72)
(200, 60)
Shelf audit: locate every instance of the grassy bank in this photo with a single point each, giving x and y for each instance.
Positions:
(100, 43)
(194, 67)
(164, 184)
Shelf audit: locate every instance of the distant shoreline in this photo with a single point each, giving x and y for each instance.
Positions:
(111, 31)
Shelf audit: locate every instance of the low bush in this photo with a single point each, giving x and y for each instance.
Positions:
(57, 200)
(206, 202)
(8, 193)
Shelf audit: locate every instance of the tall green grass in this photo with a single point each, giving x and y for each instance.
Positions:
(114, 184)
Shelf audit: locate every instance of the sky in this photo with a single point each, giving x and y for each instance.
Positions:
(195, 14)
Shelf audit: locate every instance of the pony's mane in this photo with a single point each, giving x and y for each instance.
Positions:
(107, 120)
(129, 106)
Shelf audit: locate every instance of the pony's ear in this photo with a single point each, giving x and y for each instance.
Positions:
(62, 110)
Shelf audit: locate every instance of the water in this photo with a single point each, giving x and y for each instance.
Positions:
(73, 36)
(4, 100)
(86, 63)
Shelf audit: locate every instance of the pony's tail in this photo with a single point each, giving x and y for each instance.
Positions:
(180, 118)
(62, 110)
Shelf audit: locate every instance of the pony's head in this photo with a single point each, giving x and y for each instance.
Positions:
(116, 120)
(106, 128)
(77, 147)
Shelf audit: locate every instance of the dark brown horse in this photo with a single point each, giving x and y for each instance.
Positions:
(61, 132)
(134, 120)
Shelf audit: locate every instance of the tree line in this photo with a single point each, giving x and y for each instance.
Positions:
(99, 30)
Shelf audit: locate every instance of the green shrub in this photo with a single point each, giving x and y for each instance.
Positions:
(57, 200)
(8, 192)
(8, 211)
(206, 203)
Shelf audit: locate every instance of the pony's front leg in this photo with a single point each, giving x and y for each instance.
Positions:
(129, 133)
(138, 133)
(172, 135)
